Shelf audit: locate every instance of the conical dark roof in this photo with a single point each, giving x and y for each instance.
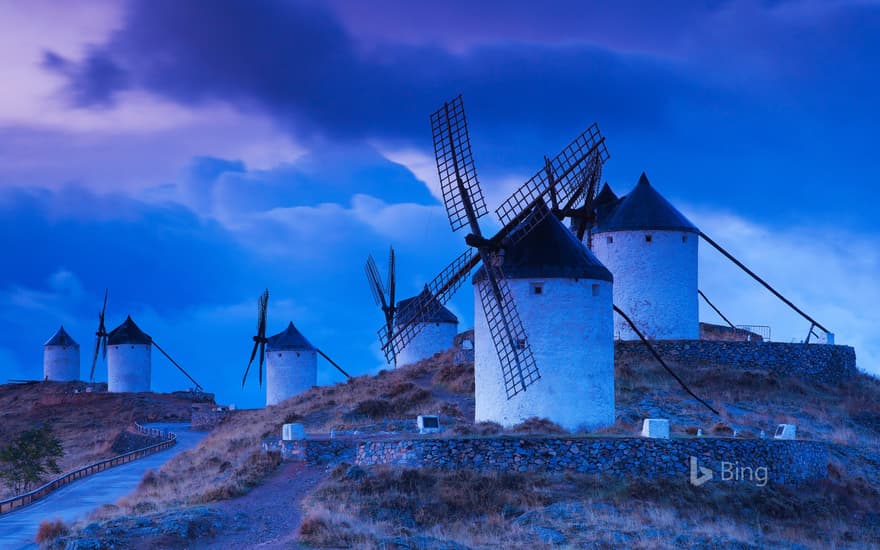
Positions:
(128, 333)
(644, 208)
(61, 338)
(438, 313)
(289, 340)
(549, 251)
(605, 203)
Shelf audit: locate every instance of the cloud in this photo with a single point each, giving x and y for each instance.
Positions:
(162, 255)
(298, 63)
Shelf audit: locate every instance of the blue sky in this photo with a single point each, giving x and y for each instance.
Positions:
(189, 154)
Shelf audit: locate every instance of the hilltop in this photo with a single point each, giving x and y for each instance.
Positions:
(200, 493)
(90, 425)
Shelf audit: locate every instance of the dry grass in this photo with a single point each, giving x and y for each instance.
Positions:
(49, 530)
(426, 505)
(88, 424)
(511, 510)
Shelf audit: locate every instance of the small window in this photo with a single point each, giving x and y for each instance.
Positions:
(684, 238)
(610, 239)
(537, 288)
(647, 238)
(595, 290)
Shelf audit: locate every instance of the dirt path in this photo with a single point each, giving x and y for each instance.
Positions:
(269, 516)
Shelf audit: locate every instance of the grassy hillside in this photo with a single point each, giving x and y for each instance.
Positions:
(378, 506)
(91, 426)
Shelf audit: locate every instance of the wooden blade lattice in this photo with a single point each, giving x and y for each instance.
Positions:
(455, 165)
(518, 367)
(561, 180)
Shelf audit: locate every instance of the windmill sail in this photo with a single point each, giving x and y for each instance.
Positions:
(455, 166)
(259, 338)
(100, 338)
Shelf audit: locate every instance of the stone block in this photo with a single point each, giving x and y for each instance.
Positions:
(428, 423)
(785, 431)
(293, 432)
(655, 428)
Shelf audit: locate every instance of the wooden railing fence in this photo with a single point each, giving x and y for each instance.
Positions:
(168, 439)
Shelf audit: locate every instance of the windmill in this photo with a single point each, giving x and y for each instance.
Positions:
(555, 184)
(100, 338)
(384, 294)
(291, 368)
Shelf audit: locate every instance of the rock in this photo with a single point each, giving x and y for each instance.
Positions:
(355, 473)
(552, 536)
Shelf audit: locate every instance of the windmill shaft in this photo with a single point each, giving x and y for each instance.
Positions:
(548, 168)
(181, 369)
(332, 362)
(718, 311)
(766, 285)
(660, 359)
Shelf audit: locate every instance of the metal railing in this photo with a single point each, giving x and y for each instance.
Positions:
(761, 330)
(168, 440)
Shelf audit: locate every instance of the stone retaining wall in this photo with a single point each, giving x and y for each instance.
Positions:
(313, 451)
(818, 362)
(205, 420)
(786, 462)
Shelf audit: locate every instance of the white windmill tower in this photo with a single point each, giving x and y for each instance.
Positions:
(129, 358)
(536, 277)
(61, 358)
(651, 248)
(291, 360)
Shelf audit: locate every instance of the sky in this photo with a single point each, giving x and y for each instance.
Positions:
(186, 155)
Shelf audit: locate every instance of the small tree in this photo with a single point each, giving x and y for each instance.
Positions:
(29, 457)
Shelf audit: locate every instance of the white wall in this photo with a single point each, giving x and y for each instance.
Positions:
(655, 283)
(570, 333)
(433, 338)
(128, 368)
(289, 373)
(61, 363)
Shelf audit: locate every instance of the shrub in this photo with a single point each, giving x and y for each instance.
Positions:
(50, 530)
(372, 408)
